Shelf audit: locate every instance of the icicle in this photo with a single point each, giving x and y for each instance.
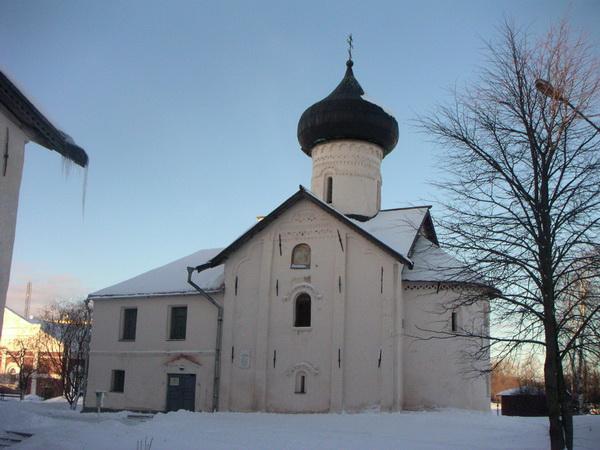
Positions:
(84, 189)
(66, 166)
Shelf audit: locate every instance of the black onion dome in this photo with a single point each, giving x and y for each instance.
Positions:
(345, 114)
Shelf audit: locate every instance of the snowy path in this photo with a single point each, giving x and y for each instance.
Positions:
(56, 427)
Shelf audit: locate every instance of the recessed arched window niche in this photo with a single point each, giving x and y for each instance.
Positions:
(300, 387)
(301, 257)
(302, 311)
(301, 373)
(299, 288)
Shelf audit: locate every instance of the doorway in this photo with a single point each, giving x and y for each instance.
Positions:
(181, 391)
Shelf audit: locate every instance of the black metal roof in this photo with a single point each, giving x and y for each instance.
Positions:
(37, 126)
(345, 114)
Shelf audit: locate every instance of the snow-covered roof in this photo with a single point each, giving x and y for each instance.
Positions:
(21, 316)
(401, 232)
(358, 226)
(397, 228)
(523, 390)
(170, 279)
(431, 263)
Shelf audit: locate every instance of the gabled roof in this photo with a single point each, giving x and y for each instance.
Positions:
(398, 228)
(405, 233)
(392, 230)
(169, 279)
(433, 264)
(36, 125)
(304, 194)
(21, 316)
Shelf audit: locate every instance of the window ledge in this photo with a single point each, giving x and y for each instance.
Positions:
(126, 340)
(176, 340)
(301, 329)
(298, 266)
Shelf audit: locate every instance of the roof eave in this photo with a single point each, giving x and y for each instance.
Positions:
(36, 125)
(490, 290)
(151, 294)
(302, 193)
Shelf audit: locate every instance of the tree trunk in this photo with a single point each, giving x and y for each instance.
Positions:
(557, 441)
(565, 402)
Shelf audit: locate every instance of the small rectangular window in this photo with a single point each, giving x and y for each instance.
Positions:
(117, 383)
(453, 319)
(178, 322)
(129, 324)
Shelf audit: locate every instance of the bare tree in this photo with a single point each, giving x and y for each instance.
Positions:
(515, 373)
(23, 353)
(70, 326)
(524, 200)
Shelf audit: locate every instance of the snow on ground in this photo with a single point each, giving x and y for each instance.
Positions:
(56, 427)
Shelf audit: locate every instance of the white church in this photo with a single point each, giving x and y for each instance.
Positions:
(324, 305)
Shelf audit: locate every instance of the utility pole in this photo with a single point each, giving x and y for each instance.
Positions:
(28, 300)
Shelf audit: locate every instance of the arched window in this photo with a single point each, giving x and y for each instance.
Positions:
(301, 257)
(329, 190)
(302, 311)
(300, 383)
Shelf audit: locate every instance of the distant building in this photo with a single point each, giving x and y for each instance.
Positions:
(45, 380)
(21, 122)
(523, 401)
(322, 300)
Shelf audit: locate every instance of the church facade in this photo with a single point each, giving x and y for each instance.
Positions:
(324, 305)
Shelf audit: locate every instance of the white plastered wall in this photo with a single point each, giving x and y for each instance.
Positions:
(352, 320)
(438, 372)
(147, 360)
(10, 184)
(14, 327)
(355, 167)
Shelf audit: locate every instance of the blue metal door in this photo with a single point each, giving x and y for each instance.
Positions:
(181, 391)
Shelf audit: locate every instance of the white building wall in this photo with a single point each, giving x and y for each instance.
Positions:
(10, 184)
(262, 349)
(373, 332)
(149, 358)
(359, 353)
(16, 327)
(355, 167)
(436, 371)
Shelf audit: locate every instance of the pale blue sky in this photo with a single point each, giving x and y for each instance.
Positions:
(189, 109)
